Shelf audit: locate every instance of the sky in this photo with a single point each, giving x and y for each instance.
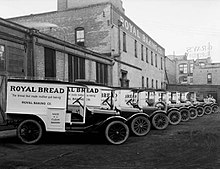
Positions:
(179, 26)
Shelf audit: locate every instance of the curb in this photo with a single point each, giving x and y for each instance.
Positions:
(7, 133)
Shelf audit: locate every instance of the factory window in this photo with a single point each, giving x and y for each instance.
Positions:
(102, 73)
(142, 81)
(156, 60)
(147, 55)
(147, 82)
(209, 78)
(142, 52)
(124, 80)
(156, 84)
(152, 59)
(201, 64)
(183, 79)
(16, 61)
(161, 63)
(191, 68)
(80, 36)
(50, 63)
(152, 83)
(135, 48)
(183, 68)
(2, 58)
(76, 67)
(124, 42)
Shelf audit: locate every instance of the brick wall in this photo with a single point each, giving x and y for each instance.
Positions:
(95, 20)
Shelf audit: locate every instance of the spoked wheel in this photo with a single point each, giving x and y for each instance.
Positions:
(215, 108)
(116, 132)
(207, 110)
(185, 115)
(29, 131)
(193, 113)
(140, 126)
(160, 121)
(174, 117)
(200, 111)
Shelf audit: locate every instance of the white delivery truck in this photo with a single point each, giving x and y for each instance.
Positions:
(37, 106)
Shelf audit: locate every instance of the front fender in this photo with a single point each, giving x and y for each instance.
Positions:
(158, 111)
(137, 114)
(112, 118)
(172, 109)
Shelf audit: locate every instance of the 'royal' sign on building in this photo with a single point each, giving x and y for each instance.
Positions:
(129, 27)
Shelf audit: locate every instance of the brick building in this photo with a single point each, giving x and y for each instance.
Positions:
(26, 52)
(207, 74)
(102, 26)
(189, 71)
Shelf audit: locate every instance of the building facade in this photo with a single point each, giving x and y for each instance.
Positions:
(103, 27)
(189, 71)
(207, 74)
(26, 52)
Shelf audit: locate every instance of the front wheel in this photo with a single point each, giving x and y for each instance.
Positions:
(29, 131)
(140, 126)
(185, 115)
(193, 113)
(174, 117)
(207, 110)
(116, 132)
(160, 121)
(215, 108)
(200, 111)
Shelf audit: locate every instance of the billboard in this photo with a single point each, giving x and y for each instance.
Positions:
(199, 52)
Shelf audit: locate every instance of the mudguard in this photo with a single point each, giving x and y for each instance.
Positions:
(172, 109)
(110, 119)
(137, 114)
(158, 111)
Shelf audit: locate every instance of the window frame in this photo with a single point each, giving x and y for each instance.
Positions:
(80, 40)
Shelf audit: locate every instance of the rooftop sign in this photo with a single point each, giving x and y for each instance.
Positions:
(199, 52)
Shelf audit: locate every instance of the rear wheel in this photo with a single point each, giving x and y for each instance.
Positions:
(140, 126)
(116, 132)
(200, 111)
(160, 121)
(174, 117)
(207, 110)
(185, 115)
(193, 113)
(30, 131)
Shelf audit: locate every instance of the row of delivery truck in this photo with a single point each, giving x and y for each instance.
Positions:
(35, 107)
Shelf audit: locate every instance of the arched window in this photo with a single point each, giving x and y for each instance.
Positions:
(80, 36)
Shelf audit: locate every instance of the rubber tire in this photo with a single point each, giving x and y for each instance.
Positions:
(111, 127)
(157, 117)
(177, 115)
(29, 122)
(186, 116)
(140, 126)
(194, 115)
(200, 111)
(209, 108)
(215, 108)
